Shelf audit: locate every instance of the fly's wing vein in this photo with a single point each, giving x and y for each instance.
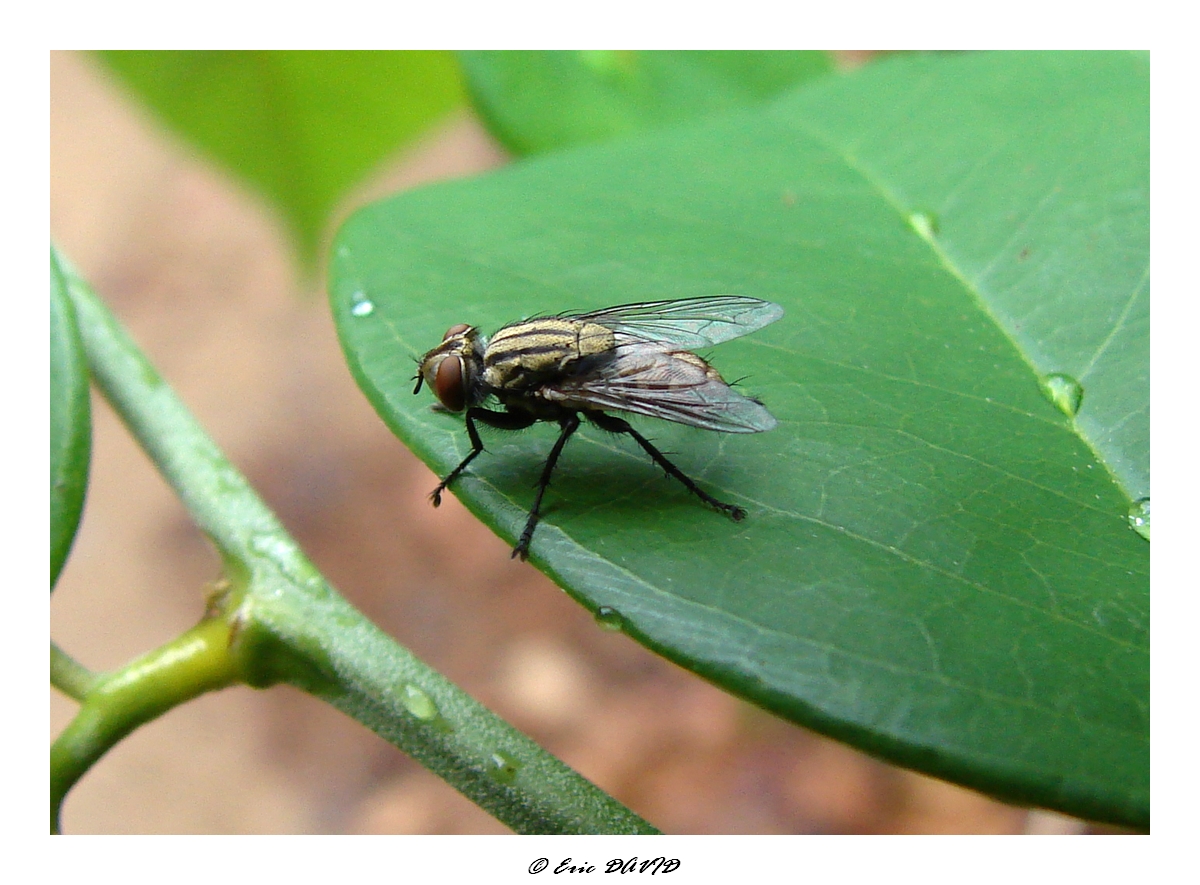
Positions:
(687, 322)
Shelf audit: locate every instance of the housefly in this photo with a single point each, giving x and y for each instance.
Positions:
(630, 358)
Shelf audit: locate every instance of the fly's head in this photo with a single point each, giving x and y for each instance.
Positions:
(454, 368)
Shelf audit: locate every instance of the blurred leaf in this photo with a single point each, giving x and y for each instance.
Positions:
(540, 101)
(301, 127)
(936, 566)
(70, 422)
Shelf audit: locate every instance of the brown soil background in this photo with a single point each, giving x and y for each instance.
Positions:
(200, 273)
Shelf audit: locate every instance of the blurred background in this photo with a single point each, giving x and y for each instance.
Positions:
(203, 274)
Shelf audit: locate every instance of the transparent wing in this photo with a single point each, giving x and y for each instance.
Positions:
(649, 379)
(688, 322)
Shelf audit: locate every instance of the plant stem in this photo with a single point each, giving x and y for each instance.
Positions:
(282, 621)
(118, 702)
(68, 675)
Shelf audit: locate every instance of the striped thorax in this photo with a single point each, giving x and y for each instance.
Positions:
(527, 354)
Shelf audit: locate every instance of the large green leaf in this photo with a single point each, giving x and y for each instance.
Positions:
(937, 564)
(70, 422)
(301, 127)
(539, 101)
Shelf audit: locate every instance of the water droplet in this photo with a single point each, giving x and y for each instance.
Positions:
(610, 619)
(924, 223)
(503, 767)
(361, 306)
(275, 546)
(418, 703)
(1139, 517)
(1064, 391)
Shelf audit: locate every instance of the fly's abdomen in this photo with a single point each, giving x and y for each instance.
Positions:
(530, 353)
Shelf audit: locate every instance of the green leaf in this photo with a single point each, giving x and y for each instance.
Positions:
(300, 127)
(936, 565)
(70, 422)
(540, 101)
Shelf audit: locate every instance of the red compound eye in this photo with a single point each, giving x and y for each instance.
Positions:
(448, 383)
(455, 330)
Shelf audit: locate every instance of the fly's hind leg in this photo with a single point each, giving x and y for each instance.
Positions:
(500, 420)
(619, 425)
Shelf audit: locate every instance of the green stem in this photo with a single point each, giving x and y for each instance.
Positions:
(68, 675)
(117, 703)
(284, 622)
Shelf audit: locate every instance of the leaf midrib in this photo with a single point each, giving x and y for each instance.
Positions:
(874, 181)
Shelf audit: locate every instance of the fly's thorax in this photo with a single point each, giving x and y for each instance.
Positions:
(453, 369)
(532, 352)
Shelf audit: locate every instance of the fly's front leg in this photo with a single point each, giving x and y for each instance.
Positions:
(620, 425)
(501, 420)
(569, 424)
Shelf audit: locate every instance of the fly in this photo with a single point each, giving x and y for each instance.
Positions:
(630, 358)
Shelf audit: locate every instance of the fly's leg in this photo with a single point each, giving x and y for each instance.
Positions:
(620, 425)
(569, 424)
(500, 420)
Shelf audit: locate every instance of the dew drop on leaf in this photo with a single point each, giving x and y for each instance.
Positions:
(1064, 391)
(361, 306)
(924, 223)
(1139, 517)
(609, 619)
